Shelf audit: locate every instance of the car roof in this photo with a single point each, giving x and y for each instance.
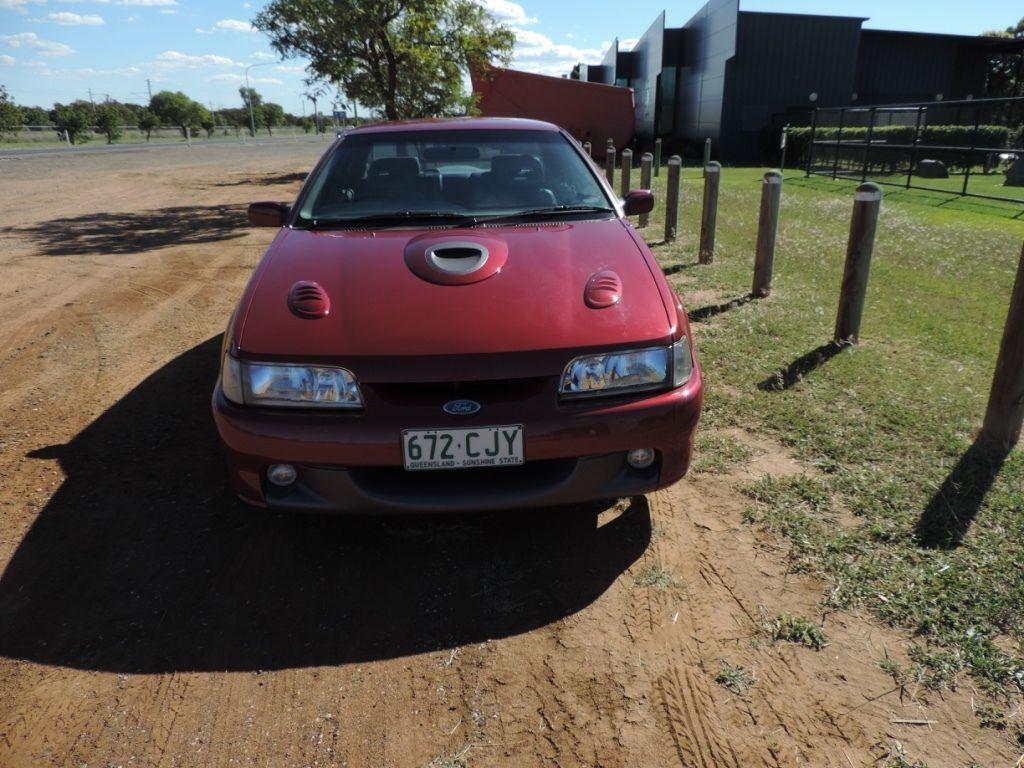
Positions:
(458, 124)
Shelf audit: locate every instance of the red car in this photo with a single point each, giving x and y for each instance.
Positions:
(455, 315)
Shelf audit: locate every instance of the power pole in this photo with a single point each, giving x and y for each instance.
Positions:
(149, 88)
(93, 104)
(316, 114)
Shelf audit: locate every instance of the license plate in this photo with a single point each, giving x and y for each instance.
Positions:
(458, 448)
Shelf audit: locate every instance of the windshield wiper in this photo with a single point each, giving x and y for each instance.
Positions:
(541, 213)
(396, 217)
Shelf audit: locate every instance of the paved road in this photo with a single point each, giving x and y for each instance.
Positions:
(119, 148)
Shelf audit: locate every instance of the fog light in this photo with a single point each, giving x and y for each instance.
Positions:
(281, 474)
(640, 458)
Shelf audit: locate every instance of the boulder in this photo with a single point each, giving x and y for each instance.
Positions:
(932, 169)
(1015, 174)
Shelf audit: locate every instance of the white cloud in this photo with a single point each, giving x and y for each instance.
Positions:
(507, 12)
(535, 45)
(234, 25)
(296, 68)
(247, 5)
(148, 3)
(234, 77)
(554, 68)
(168, 11)
(32, 40)
(7, 61)
(628, 44)
(17, 5)
(174, 59)
(88, 72)
(228, 25)
(67, 19)
(263, 56)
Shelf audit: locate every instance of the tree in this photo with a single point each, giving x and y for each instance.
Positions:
(272, 114)
(70, 120)
(108, 120)
(209, 125)
(404, 57)
(253, 104)
(175, 108)
(36, 116)
(11, 115)
(1005, 75)
(147, 122)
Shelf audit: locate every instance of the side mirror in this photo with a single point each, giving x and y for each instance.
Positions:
(638, 201)
(268, 214)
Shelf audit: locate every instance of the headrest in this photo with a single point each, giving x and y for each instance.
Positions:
(394, 169)
(517, 169)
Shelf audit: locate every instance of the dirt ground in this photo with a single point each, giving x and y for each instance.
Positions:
(149, 619)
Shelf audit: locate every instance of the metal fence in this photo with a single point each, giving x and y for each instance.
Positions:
(973, 148)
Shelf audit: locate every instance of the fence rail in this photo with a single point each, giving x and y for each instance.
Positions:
(38, 135)
(973, 148)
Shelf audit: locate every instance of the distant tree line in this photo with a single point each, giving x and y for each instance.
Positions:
(166, 109)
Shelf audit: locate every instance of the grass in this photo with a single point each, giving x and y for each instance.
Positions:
(933, 533)
(719, 454)
(736, 679)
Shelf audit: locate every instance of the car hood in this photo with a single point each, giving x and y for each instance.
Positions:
(523, 317)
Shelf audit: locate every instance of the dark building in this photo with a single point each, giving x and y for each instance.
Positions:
(735, 76)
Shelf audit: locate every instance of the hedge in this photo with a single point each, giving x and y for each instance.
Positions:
(989, 136)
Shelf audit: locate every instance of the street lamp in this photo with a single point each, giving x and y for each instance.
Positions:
(248, 93)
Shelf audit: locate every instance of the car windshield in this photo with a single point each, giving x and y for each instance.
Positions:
(457, 174)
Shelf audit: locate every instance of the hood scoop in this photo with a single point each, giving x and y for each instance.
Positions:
(455, 260)
(309, 300)
(604, 289)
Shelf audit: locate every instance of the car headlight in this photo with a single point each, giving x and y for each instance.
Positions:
(285, 385)
(617, 373)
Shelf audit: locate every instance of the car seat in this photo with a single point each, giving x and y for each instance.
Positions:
(517, 180)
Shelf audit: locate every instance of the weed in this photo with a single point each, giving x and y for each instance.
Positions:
(736, 679)
(990, 716)
(797, 629)
(936, 669)
(450, 761)
(655, 576)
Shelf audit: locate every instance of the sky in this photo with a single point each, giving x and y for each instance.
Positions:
(57, 50)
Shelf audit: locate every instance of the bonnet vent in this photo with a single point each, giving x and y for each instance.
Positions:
(603, 289)
(309, 300)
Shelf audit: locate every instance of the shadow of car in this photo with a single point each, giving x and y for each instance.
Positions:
(144, 561)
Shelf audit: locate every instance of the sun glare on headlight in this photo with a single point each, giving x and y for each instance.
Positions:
(300, 385)
(630, 371)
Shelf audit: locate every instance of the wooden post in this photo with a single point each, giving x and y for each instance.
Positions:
(609, 164)
(672, 198)
(867, 201)
(709, 217)
(657, 157)
(627, 171)
(767, 228)
(587, 148)
(707, 152)
(645, 181)
(1004, 416)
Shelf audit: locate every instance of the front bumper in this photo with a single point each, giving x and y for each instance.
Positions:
(352, 462)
